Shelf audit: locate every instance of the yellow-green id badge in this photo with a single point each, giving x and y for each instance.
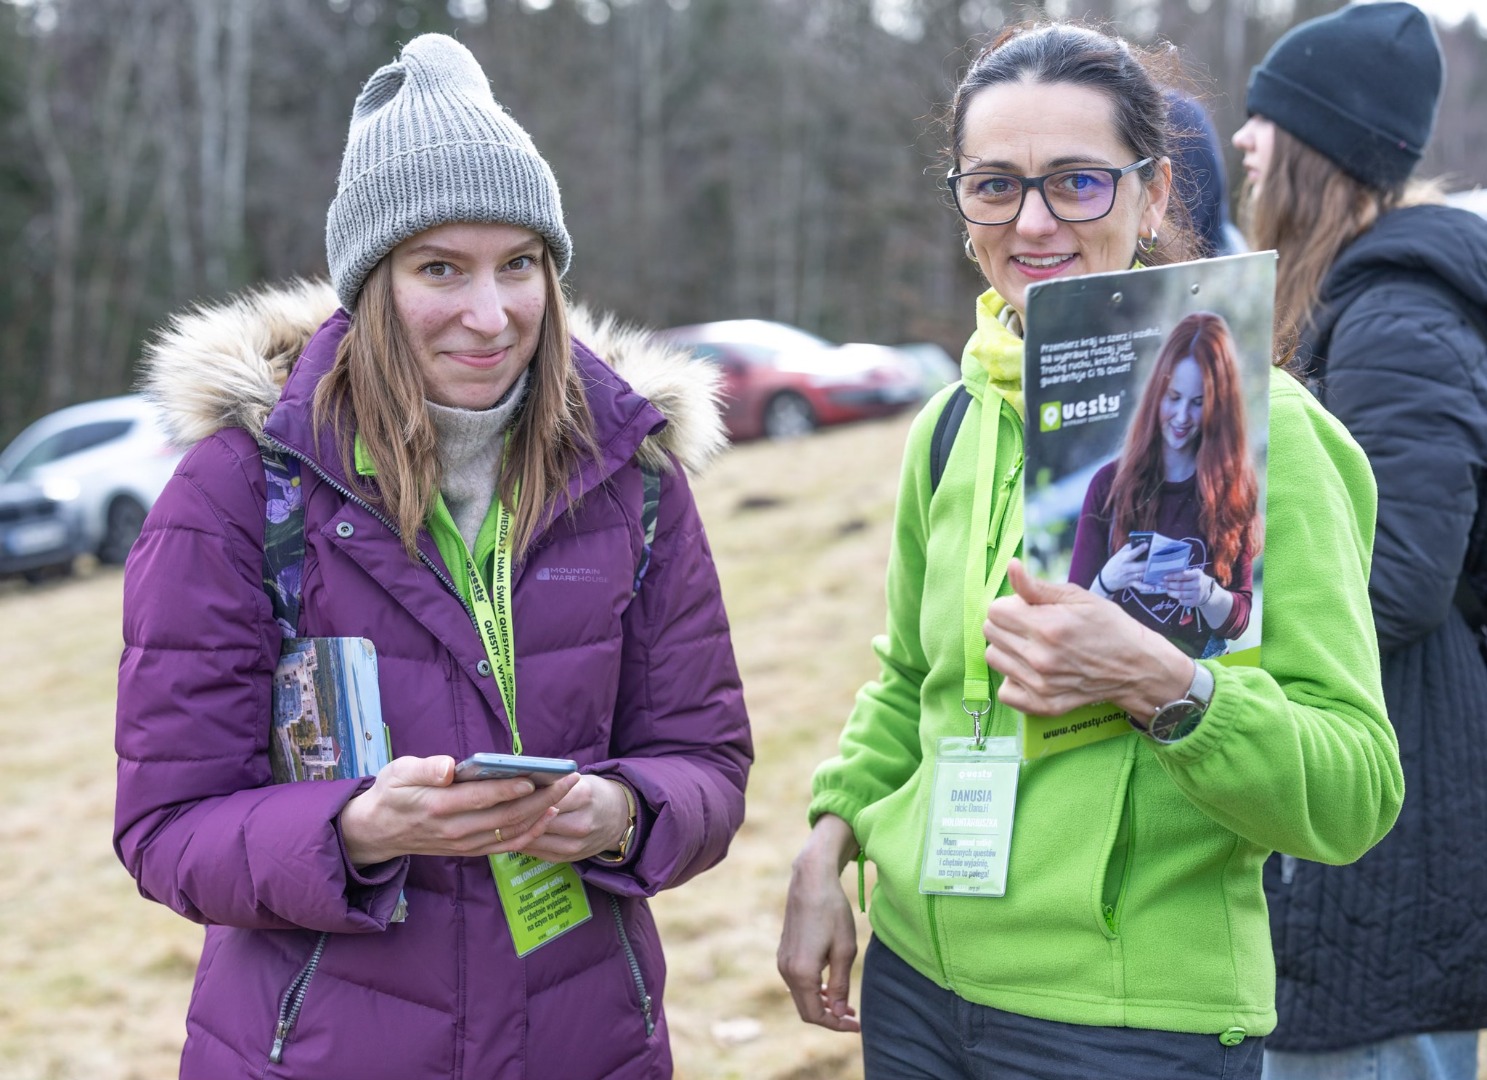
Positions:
(541, 899)
(972, 803)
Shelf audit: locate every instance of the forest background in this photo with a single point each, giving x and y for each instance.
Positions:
(718, 158)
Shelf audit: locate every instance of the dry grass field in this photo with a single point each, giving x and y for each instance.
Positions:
(96, 979)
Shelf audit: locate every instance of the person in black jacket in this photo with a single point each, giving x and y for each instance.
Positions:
(1382, 965)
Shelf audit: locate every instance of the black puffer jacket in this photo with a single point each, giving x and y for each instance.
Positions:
(1397, 942)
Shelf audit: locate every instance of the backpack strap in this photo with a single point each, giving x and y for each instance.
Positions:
(650, 505)
(946, 427)
(283, 537)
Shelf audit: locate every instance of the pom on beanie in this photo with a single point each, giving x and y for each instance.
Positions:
(1360, 86)
(429, 144)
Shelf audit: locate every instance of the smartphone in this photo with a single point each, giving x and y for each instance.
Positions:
(540, 770)
(1145, 584)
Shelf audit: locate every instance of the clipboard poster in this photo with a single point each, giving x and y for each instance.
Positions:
(1148, 422)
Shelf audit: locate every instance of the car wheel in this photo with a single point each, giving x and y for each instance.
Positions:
(126, 517)
(788, 416)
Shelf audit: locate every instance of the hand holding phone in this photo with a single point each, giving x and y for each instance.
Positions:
(540, 770)
(412, 809)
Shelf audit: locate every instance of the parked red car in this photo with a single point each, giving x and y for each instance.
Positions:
(780, 382)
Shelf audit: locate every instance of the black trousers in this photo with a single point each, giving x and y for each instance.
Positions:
(915, 1030)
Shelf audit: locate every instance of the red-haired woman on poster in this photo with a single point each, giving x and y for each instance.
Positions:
(1184, 473)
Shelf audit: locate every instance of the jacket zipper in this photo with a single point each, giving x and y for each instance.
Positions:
(294, 999)
(635, 972)
(1009, 481)
(1126, 830)
(392, 527)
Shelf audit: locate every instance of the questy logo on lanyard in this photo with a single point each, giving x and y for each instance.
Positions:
(541, 900)
(973, 797)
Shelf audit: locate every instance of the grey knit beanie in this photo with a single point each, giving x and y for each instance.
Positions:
(428, 145)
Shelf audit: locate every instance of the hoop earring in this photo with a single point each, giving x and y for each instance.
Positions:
(1148, 244)
(970, 251)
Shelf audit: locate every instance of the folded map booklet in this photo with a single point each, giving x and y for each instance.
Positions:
(1164, 556)
(1148, 406)
(327, 711)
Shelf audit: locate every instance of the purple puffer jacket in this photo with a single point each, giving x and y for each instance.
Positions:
(645, 689)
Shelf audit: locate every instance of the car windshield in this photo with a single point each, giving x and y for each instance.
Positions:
(765, 342)
(73, 440)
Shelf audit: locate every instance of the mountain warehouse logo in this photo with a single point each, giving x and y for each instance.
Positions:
(586, 575)
(1053, 415)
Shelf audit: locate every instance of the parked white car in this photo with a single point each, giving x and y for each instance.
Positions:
(104, 461)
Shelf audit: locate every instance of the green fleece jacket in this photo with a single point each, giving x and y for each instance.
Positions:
(1134, 891)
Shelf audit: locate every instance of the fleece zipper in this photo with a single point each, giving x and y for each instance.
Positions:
(1120, 858)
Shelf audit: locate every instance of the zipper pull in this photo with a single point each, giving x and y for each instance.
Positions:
(281, 1032)
(1110, 917)
(862, 881)
(1012, 473)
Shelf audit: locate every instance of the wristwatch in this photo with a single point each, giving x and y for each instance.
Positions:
(1177, 719)
(619, 854)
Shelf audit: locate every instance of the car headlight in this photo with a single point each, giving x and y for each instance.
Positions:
(61, 489)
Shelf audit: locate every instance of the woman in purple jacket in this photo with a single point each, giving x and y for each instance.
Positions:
(496, 509)
(1184, 481)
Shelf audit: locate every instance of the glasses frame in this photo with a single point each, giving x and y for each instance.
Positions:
(1030, 183)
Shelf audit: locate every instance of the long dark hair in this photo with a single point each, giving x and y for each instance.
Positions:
(1053, 53)
(1308, 211)
(1228, 491)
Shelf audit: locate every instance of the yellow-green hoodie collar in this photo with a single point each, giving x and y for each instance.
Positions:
(993, 355)
(365, 464)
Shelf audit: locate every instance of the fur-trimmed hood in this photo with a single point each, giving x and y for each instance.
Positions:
(224, 365)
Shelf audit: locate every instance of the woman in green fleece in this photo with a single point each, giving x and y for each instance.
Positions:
(1131, 940)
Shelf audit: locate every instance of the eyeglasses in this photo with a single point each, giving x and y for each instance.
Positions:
(1073, 195)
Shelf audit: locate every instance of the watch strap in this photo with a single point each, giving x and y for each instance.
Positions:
(1200, 690)
(1176, 720)
(621, 853)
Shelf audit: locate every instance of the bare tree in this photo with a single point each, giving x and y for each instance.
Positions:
(66, 229)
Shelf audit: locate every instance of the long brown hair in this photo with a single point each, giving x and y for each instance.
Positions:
(1228, 491)
(376, 389)
(1308, 210)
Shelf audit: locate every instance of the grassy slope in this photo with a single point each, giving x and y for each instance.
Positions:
(97, 979)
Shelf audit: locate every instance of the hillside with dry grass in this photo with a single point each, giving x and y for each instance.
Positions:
(97, 979)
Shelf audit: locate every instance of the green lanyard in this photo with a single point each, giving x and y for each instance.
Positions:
(493, 616)
(992, 503)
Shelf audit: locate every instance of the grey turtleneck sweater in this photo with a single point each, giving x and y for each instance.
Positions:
(470, 446)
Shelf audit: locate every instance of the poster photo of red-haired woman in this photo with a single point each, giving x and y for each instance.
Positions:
(1169, 530)
(1145, 471)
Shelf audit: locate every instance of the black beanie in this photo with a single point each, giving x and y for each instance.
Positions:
(1360, 86)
